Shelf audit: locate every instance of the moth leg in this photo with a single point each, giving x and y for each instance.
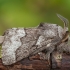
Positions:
(49, 51)
(48, 54)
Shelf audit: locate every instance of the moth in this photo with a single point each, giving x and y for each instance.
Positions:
(19, 43)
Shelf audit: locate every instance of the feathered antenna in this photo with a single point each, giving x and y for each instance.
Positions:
(66, 30)
(66, 22)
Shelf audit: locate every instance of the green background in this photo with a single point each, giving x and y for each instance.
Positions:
(29, 13)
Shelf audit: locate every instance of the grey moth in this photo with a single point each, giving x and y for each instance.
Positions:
(20, 43)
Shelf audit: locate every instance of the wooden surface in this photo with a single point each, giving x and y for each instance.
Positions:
(34, 63)
(64, 63)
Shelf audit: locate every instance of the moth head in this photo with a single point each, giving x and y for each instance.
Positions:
(65, 45)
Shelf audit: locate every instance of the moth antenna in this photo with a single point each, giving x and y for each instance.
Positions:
(65, 21)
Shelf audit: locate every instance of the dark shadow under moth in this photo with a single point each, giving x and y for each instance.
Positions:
(20, 43)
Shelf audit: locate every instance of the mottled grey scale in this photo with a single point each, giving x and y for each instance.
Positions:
(11, 43)
(64, 47)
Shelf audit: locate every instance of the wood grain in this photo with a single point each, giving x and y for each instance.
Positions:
(35, 63)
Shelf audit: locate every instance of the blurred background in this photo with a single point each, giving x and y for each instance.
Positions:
(29, 13)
